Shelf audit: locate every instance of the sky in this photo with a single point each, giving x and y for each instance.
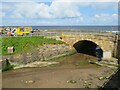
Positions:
(58, 12)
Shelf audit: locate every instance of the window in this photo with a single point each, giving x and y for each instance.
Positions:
(22, 29)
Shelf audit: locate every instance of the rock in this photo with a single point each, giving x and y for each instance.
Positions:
(10, 49)
(101, 78)
(108, 77)
(85, 82)
(29, 81)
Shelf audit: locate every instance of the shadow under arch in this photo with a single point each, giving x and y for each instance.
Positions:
(89, 48)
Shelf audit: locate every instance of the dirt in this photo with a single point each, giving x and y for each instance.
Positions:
(59, 75)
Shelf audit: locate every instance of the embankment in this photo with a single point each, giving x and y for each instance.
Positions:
(42, 53)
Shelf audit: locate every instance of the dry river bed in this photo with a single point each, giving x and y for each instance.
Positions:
(65, 74)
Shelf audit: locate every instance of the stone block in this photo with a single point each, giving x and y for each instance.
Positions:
(10, 49)
(107, 54)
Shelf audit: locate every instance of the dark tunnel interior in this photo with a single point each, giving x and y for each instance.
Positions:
(89, 48)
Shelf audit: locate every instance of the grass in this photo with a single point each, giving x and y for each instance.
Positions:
(82, 63)
(23, 44)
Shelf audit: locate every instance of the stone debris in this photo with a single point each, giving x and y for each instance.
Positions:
(103, 78)
(28, 81)
(87, 84)
(42, 53)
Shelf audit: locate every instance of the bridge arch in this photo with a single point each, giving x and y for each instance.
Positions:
(88, 47)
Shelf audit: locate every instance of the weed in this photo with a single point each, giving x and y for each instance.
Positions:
(9, 67)
(72, 81)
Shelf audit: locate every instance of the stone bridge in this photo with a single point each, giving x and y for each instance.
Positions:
(88, 42)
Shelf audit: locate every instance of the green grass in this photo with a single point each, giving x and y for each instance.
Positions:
(82, 63)
(23, 44)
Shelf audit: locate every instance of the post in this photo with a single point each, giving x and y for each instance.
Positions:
(115, 46)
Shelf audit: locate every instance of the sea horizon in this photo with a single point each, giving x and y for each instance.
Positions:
(90, 28)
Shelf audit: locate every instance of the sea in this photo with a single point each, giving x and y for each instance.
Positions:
(91, 28)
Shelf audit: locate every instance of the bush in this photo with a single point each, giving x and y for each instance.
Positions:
(6, 65)
(9, 67)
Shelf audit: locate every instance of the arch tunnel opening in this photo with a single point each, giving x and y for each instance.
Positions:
(89, 48)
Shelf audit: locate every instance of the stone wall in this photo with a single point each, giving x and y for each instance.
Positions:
(42, 53)
(107, 43)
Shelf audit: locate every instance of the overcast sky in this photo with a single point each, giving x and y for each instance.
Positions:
(58, 12)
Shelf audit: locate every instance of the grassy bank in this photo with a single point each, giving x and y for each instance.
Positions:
(23, 44)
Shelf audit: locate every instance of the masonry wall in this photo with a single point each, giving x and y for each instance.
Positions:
(43, 53)
(107, 44)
